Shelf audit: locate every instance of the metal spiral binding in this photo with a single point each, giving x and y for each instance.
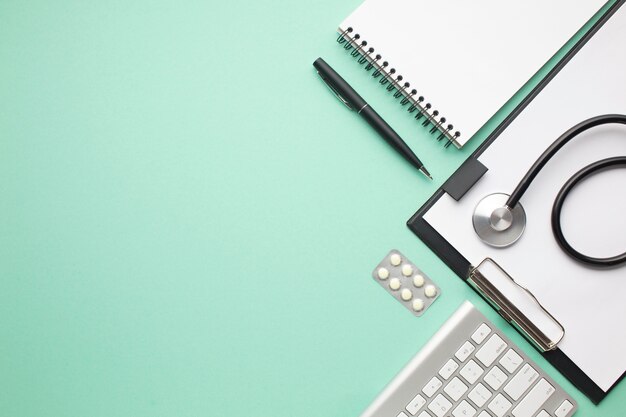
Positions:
(365, 55)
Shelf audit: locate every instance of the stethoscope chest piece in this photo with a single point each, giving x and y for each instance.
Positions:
(496, 224)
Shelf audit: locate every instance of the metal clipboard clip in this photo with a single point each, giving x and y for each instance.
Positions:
(509, 299)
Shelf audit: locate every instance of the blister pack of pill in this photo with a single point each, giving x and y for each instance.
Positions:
(406, 282)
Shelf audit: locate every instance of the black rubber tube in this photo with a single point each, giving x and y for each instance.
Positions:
(608, 163)
(598, 166)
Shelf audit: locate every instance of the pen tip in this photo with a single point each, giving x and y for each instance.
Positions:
(425, 172)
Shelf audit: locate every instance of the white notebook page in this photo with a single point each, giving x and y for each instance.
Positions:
(589, 303)
(468, 58)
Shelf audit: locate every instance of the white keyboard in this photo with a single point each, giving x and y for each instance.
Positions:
(470, 369)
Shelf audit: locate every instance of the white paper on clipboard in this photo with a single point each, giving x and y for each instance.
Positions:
(587, 302)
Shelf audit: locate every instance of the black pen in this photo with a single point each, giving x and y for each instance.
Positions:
(355, 102)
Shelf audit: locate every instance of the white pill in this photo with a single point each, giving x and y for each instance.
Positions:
(430, 291)
(418, 280)
(383, 273)
(407, 270)
(406, 294)
(395, 259)
(394, 283)
(418, 304)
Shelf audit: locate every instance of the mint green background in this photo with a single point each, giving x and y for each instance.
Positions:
(189, 219)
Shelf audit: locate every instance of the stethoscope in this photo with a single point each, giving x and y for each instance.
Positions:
(499, 219)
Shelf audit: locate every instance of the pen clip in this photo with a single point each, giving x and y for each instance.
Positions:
(335, 92)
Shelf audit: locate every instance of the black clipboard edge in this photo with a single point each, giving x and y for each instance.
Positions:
(575, 375)
(436, 242)
(461, 266)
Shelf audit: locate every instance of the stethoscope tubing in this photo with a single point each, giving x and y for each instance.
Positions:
(561, 141)
(595, 167)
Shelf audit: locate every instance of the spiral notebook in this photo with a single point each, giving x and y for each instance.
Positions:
(455, 63)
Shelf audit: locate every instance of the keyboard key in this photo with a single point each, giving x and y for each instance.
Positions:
(564, 409)
(484, 414)
(510, 361)
(424, 414)
(491, 350)
(500, 405)
(464, 410)
(534, 400)
(433, 385)
(455, 389)
(543, 413)
(479, 395)
(402, 414)
(415, 404)
(471, 371)
(464, 351)
(495, 378)
(448, 369)
(480, 334)
(440, 405)
(521, 382)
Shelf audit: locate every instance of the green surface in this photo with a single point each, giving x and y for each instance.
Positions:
(189, 218)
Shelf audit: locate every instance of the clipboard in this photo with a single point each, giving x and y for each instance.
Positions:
(481, 276)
